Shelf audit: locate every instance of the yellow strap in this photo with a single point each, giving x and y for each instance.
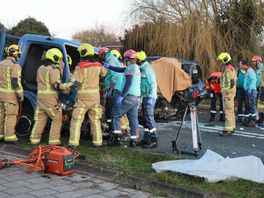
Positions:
(77, 130)
(9, 87)
(53, 142)
(11, 138)
(34, 141)
(98, 143)
(36, 118)
(8, 79)
(47, 92)
(7, 90)
(89, 91)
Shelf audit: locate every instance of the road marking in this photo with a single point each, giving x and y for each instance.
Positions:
(218, 129)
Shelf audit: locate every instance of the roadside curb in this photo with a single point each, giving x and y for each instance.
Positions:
(132, 181)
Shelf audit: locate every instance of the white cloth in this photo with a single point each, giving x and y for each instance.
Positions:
(213, 167)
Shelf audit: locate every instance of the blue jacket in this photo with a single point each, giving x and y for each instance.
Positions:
(240, 78)
(113, 79)
(250, 80)
(148, 81)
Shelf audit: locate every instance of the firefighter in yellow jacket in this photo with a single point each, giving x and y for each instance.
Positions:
(11, 93)
(228, 89)
(86, 79)
(48, 106)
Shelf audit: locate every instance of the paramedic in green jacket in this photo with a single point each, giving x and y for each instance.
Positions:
(113, 82)
(257, 63)
(148, 88)
(251, 93)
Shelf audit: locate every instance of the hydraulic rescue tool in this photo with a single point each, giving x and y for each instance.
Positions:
(48, 159)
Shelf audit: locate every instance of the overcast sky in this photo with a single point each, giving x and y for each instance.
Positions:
(65, 17)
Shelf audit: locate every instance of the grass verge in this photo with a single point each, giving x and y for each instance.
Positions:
(136, 162)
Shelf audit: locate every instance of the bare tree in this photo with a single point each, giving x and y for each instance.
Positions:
(97, 36)
(197, 29)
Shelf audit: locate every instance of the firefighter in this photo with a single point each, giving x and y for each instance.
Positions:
(214, 88)
(250, 93)
(117, 54)
(240, 94)
(128, 100)
(228, 89)
(113, 83)
(11, 93)
(86, 79)
(148, 88)
(257, 63)
(48, 106)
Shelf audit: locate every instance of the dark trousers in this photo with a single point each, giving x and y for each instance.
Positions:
(251, 104)
(109, 103)
(148, 120)
(241, 99)
(214, 97)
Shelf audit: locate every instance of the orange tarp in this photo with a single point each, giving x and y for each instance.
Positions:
(170, 77)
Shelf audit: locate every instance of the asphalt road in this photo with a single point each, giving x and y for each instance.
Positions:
(245, 141)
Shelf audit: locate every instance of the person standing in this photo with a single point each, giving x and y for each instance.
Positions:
(228, 89)
(148, 88)
(86, 79)
(117, 54)
(11, 94)
(48, 106)
(214, 88)
(251, 93)
(257, 63)
(128, 100)
(240, 94)
(113, 83)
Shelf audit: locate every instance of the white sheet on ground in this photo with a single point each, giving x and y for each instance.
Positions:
(213, 167)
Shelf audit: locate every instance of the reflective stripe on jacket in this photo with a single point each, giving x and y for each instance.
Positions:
(10, 80)
(87, 74)
(213, 82)
(46, 77)
(228, 80)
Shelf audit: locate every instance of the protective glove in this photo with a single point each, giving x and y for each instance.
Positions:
(109, 93)
(149, 102)
(119, 101)
(56, 86)
(106, 65)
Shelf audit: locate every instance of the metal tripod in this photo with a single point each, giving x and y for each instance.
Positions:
(196, 135)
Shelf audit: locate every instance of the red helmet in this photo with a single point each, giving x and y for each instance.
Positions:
(256, 58)
(102, 51)
(130, 54)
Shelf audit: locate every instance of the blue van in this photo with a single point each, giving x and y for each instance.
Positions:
(33, 47)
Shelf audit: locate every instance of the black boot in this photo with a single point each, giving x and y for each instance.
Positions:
(222, 117)
(150, 145)
(114, 139)
(212, 117)
(132, 143)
